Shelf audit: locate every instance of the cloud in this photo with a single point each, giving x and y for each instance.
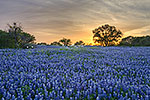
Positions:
(140, 31)
(75, 17)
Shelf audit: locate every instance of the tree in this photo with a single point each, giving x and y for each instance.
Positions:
(26, 38)
(141, 41)
(21, 38)
(42, 43)
(65, 42)
(5, 40)
(106, 35)
(127, 41)
(15, 31)
(56, 43)
(79, 43)
(135, 41)
(145, 41)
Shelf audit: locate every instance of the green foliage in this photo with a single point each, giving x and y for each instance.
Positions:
(127, 41)
(141, 41)
(26, 38)
(15, 37)
(135, 41)
(14, 31)
(5, 40)
(106, 35)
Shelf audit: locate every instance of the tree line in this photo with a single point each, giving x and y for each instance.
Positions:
(105, 35)
(135, 41)
(64, 42)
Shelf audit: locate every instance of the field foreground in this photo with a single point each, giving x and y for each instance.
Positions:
(102, 73)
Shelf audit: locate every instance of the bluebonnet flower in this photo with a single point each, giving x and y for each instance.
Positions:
(114, 72)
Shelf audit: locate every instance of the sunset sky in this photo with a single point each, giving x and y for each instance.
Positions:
(51, 20)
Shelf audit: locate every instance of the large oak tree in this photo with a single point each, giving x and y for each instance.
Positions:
(106, 35)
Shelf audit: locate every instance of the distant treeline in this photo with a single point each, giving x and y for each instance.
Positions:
(135, 41)
(64, 42)
(127, 41)
(106, 35)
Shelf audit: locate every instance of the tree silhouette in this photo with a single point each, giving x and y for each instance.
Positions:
(106, 35)
(15, 33)
(65, 42)
(79, 43)
(56, 43)
(42, 43)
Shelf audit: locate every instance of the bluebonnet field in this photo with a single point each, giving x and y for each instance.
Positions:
(92, 73)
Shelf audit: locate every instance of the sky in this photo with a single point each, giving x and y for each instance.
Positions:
(51, 20)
